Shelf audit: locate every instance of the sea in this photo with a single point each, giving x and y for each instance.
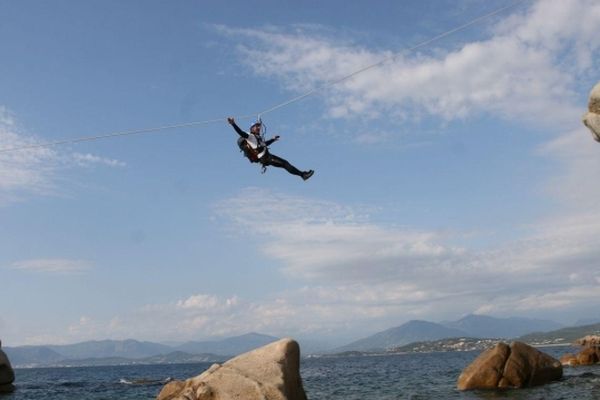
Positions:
(402, 376)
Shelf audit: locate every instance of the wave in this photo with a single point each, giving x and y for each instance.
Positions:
(143, 381)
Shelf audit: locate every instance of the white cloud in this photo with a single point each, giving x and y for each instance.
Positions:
(36, 170)
(519, 72)
(52, 265)
(206, 302)
(23, 171)
(88, 159)
(527, 69)
(375, 270)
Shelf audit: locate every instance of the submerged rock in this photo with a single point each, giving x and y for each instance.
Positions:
(7, 375)
(517, 366)
(271, 372)
(591, 119)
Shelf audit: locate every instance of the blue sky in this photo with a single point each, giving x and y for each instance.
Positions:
(454, 179)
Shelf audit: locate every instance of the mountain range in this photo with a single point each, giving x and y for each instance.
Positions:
(483, 326)
(133, 351)
(409, 332)
(472, 326)
(562, 336)
(230, 346)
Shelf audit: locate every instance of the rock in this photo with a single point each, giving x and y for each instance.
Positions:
(271, 372)
(528, 366)
(592, 118)
(7, 388)
(569, 359)
(587, 356)
(592, 121)
(516, 366)
(7, 375)
(589, 341)
(486, 370)
(594, 103)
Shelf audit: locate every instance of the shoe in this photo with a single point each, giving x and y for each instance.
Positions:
(307, 174)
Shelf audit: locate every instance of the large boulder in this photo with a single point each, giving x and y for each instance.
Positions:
(7, 375)
(587, 356)
(591, 119)
(271, 372)
(516, 366)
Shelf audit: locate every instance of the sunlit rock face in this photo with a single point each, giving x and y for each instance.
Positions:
(271, 372)
(591, 119)
(515, 366)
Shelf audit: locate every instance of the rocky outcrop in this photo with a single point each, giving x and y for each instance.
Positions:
(591, 119)
(514, 366)
(569, 359)
(271, 372)
(7, 375)
(589, 341)
(589, 355)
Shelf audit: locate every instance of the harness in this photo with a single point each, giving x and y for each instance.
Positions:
(254, 147)
(252, 154)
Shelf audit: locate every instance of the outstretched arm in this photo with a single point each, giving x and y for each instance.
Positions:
(237, 128)
(272, 140)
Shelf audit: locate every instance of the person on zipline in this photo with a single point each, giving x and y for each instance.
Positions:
(257, 150)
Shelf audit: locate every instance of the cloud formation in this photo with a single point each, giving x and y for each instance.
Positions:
(52, 265)
(516, 73)
(354, 277)
(35, 171)
(24, 171)
(88, 159)
(348, 260)
(527, 69)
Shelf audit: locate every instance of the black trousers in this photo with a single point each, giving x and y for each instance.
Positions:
(272, 160)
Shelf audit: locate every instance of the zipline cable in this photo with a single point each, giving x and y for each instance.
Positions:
(109, 135)
(385, 60)
(271, 109)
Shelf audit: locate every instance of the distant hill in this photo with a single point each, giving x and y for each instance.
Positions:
(471, 326)
(483, 326)
(561, 336)
(111, 348)
(105, 349)
(412, 331)
(587, 321)
(31, 355)
(228, 347)
(179, 357)
(116, 352)
(444, 345)
(176, 357)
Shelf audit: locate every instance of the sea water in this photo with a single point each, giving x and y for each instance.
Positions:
(404, 376)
